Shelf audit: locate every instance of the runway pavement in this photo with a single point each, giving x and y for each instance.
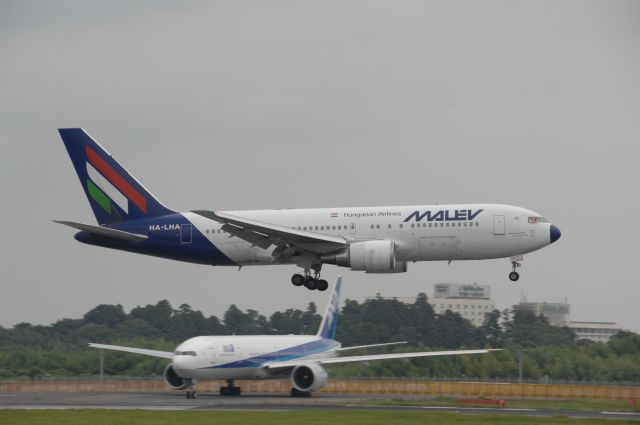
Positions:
(254, 402)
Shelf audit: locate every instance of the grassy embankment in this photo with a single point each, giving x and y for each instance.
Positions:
(307, 417)
(568, 404)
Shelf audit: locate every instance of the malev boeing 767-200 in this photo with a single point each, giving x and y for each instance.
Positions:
(302, 358)
(369, 239)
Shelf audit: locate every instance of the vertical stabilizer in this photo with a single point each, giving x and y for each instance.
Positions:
(113, 193)
(330, 319)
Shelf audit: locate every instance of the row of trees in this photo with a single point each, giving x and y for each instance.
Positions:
(548, 351)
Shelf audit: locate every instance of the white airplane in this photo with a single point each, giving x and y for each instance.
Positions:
(369, 239)
(256, 357)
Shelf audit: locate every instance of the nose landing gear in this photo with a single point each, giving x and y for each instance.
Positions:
(514, 275)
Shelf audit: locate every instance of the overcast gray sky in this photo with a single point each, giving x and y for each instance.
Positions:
(255, 104)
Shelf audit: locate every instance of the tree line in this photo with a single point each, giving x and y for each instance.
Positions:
(548, 352)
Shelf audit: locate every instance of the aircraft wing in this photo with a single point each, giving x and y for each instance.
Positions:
(154, 353)
(355, 347)
(352, 359)
(266, 234)
(105, 231)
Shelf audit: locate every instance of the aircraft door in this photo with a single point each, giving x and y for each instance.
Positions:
(211, 354)
(185, 233)
(352, 228)
(498, 225)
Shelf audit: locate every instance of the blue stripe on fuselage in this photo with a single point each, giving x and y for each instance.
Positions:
(164, 240)
(316, 346)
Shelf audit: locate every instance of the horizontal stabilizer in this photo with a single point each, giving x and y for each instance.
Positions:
(105, 231)
(144, 351)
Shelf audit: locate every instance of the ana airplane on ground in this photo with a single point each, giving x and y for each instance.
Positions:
(300, 357)
(369, 239)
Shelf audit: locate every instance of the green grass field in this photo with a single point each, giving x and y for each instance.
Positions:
(556, 404)
(307, 417)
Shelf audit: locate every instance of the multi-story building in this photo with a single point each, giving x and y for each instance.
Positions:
(558, 314)
(472, 302)
(595, 331)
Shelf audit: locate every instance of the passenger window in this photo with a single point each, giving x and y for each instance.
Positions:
(412, 225)
(377, 226)
(459, 224)
(401, 225)
(447, 224)
(333, 227)
(316, 227)
(430, 224)
(477, 224)
(372, 226)
(389, 226)
(305, 227)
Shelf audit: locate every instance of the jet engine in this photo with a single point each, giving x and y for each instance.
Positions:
(369, 256)
(173, 380)
(309, 377)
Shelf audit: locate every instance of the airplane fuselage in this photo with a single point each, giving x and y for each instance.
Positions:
(243, 357)
(420, 233)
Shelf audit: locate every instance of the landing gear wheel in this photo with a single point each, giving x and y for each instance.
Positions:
(311, 284)
(297, 393)
(322, 285)
(230, 389)
(297, 279)
(191, 394)
(514, 276)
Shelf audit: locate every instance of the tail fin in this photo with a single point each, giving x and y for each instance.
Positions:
(114, 194)
(330, 319)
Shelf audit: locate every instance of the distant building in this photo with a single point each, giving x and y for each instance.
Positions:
(558, 314)
(473, 302)
(595, 331)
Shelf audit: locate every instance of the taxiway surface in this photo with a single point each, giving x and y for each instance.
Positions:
(254, 402)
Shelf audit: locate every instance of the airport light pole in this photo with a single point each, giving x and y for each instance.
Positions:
(520, 367)
(101, 364)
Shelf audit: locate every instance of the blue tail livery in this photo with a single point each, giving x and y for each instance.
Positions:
(330, 319)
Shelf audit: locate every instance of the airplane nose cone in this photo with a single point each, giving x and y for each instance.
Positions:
(554, 233)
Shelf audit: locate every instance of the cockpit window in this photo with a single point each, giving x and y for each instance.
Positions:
(536, 220)
(185, 353)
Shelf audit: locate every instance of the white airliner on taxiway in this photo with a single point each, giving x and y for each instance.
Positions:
(369, 239)
(255, 357)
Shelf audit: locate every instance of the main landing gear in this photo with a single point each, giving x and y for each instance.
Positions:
(311, 283)
(230, 389)
(514, 275)
(192, 394)
(297, 393)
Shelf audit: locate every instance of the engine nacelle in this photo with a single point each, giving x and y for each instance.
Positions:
(370, 257)
(308, 378)
(174, 380)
